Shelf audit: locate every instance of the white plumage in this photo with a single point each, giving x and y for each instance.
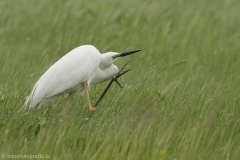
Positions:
(68, 74)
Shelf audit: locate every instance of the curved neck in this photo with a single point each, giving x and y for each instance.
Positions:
(105, 61)
(101, 75)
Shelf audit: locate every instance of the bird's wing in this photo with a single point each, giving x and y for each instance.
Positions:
(68, 72)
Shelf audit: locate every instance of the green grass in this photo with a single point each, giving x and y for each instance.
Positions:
(187, 111)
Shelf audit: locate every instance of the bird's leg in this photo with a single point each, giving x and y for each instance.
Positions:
(91, 109)
(119, 74)
(66, 106)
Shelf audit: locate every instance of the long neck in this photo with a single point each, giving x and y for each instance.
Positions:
(106, 59)
(101, 75)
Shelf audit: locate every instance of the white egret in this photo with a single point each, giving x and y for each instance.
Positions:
(75, 72)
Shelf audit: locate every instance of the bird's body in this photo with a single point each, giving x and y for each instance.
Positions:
(68, 74)
(75, 72)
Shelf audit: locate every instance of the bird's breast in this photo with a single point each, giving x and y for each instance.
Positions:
(101, 75)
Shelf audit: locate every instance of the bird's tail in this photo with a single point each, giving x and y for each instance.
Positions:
(26, 104)
(30, 101)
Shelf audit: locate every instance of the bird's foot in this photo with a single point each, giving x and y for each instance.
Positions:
(92, 109)
(119, 74)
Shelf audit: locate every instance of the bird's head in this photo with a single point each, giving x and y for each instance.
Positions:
(109, 58)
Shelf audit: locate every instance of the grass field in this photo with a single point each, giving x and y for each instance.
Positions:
(186, 111)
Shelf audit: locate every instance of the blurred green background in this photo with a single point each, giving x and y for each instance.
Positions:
(165, 111)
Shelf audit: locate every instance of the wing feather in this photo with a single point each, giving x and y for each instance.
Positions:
(66, 74)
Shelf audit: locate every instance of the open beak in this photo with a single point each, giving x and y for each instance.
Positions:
(125, 53)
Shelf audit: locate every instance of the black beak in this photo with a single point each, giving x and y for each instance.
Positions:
(126, 53)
